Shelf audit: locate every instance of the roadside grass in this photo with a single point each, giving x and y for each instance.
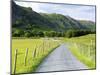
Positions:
(84, 49)
(31, 44)
(86, 60)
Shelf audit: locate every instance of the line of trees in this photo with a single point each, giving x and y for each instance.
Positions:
(35, 33)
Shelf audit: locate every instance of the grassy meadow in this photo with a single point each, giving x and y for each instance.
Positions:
(42, 46)
(84, 48)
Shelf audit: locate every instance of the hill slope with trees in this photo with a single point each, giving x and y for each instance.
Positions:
(26, 22)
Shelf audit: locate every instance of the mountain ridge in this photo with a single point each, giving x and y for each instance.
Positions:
(25, 18)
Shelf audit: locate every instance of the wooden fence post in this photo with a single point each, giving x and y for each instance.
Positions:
(15, 61)
(25, 60)
(38, 51)
(35, 52)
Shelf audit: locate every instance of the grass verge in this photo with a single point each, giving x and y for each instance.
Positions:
(84, 49)
(82, 58)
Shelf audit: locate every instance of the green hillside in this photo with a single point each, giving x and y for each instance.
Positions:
(63, 23)
(88, 24)
(27, 22)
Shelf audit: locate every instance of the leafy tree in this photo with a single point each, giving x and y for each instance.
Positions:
(17, 33)
(40, 34)
(28, 34)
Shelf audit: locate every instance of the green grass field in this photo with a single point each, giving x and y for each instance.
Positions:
(84, 49)
(42, 46)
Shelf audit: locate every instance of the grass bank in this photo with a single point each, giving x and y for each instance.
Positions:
(84, 49)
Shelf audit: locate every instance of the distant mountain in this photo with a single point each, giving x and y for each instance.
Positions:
(89, 24)
(25, 18)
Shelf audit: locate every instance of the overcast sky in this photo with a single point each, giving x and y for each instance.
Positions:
(74, 11)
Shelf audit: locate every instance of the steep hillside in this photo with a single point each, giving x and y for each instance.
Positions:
(25, 18)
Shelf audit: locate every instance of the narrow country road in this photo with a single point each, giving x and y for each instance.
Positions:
(61, 59)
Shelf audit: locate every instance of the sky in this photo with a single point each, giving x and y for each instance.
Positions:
(80, 12)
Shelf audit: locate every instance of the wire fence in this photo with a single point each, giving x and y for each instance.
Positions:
(39, 51)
